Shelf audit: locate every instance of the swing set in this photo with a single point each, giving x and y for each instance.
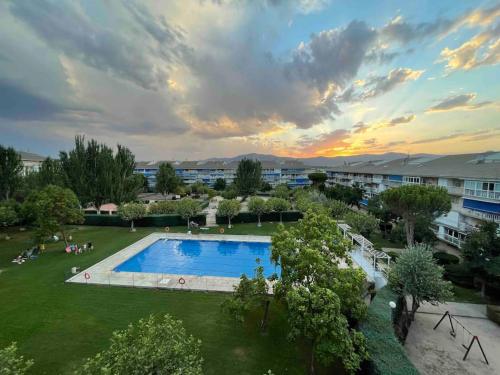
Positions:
(468, 338)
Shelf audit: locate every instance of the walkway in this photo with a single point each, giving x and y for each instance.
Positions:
(211, 211)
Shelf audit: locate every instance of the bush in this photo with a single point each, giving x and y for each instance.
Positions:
(444, 259)
(11, 363)
(362, 223)
(459, 274)
(162, 208)
(394, 256)
(387, 355)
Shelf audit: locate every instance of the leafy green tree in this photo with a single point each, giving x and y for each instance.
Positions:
(126, 184)
(55, 207)
(377, 208)
(151, 346)
(317, 178)
(481, 251)
(279, 205)
(229, 208)
(188, 208)
(199, 188)
(11, 363)
(315, 313)
(248, 176)
(220, 184)
(11, 169)
(417, 275)
(281, 191)
(266, 186)
(422, 232)
(166, 180)
(338, 209)
(347, 194)
(362, 223)
(162, 208)
(257, 206)
(248, 295)
(51, 173)
(8, 214)
(413, 201)
(131, 211)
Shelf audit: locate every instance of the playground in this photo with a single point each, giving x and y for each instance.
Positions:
(441, 350)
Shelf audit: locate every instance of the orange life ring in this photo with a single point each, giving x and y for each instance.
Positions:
(86, 275)
(182, 281)
(167, 229)
(221, 230)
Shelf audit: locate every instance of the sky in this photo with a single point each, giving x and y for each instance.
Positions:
(192, 79)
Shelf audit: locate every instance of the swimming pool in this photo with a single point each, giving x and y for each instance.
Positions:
(201, 258)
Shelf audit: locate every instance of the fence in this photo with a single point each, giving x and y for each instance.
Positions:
(248, 217)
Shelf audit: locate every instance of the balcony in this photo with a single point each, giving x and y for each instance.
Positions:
(451, 240)
(480, 215)
(455, 190)
(494, 195)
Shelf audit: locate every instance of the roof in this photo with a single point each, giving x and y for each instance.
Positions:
(221, 165)
(28, 156)
(480, 166)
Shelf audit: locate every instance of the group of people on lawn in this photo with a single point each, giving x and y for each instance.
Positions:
(33, 252)
(78, 249)
(27, 254)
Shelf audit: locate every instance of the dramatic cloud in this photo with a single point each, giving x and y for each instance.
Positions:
(324, 143)
(482, 49)
(458, 102)
(66, 27)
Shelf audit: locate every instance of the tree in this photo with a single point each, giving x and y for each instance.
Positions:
(278, 205)
(317, 178)
(11, 168)
(416, 274)
(162, 208)
(126, 184)
(166, 180)
(413, 201)
(151, 346)
(132, 211)
(481, 251)
(377, 208)
(8, 214)
(11, 363)
(229, 208)
(257, 206)
(338, 209)
(315, 314)
(55, 207)
(281, 191)
(220, 184)
(362, 223)
(248, 176)
(51, 173)
(188, 208)
(248, 295)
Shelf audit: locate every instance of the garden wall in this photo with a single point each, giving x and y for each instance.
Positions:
(387, 355)
(248, 217)
(147, 221)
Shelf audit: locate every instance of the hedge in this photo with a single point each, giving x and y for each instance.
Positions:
(444, 259)
(459, 274)
(493, 313)
(147, 221)
(387, 355)
(248, 217)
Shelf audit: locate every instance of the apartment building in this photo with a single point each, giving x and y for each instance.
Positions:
(472, 180)
(31, 162)
(292, 173)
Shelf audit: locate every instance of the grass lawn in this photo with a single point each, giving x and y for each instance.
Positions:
(59, 324)
(380, 242)
(466, 295)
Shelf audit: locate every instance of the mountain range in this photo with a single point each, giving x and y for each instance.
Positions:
(321, 161)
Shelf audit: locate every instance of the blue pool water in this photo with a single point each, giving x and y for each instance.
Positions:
(201, 258)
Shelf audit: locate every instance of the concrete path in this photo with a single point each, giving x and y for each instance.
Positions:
(438, 352)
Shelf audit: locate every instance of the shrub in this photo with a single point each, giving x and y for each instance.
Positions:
(11, 363)
(387, 355)
(493, 313)
(361, 223)
(459, 274)
(444, 259)
(162, 208)
(394, 256)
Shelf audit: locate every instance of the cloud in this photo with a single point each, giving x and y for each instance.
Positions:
(482, 49)
(401, 120)
(458, 102)
(326, 143)
(66, 27)
(333, 56)
(360, 127)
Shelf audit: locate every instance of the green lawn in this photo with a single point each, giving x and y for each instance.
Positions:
(466, 295)
(58, 324)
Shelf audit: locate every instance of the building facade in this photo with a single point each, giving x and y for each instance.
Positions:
(292, 173)
(31, 162)
(472, 180)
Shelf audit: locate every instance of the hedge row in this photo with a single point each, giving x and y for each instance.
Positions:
(387, 355)
(147, 221)
(248, 217)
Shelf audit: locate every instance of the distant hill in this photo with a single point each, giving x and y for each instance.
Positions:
(322, 161)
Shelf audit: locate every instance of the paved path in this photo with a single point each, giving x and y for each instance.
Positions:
(437, 352)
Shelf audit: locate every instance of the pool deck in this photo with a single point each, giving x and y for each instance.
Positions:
(102, 273)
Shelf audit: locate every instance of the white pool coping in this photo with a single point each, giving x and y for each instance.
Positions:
(102, 273)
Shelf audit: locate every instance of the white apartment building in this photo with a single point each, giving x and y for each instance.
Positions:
(31, 162)
(472, 180)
